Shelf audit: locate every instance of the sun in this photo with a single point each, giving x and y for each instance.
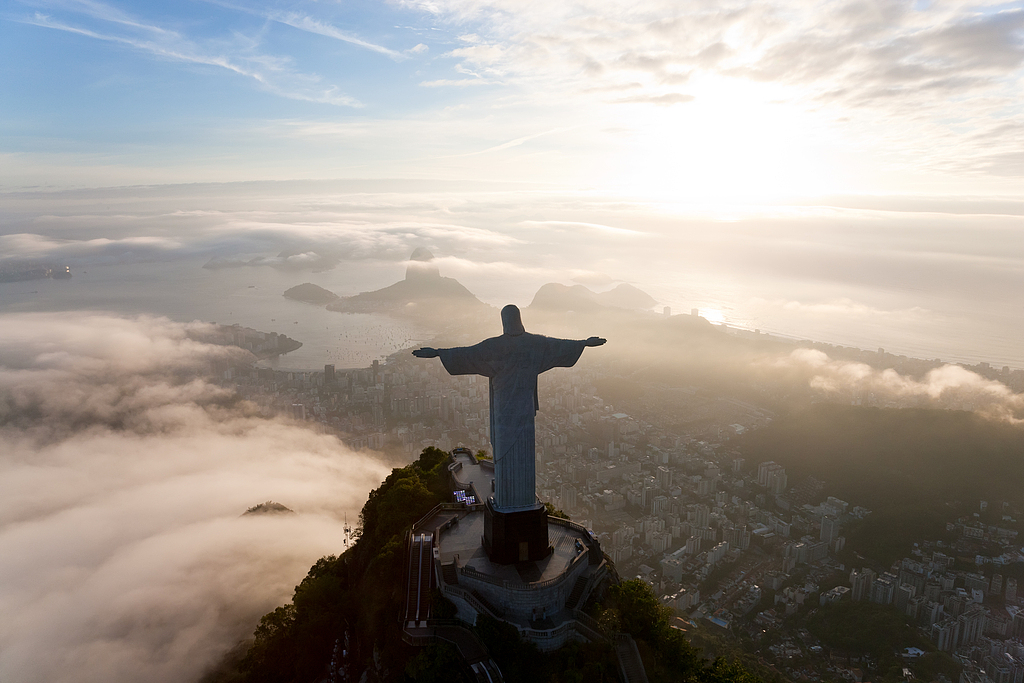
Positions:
(735, 141)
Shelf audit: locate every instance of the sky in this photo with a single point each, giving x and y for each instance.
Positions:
(722, 102)
(843, 171)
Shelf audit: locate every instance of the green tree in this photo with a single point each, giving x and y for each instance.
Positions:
(437, 663)
(360, 591)
(519, 661)
(641, 615)
(555, 512)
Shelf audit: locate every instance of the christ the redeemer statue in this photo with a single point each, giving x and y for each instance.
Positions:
(512, 363)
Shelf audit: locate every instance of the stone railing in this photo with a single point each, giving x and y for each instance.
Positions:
(471, 573)
(580, 623)
(458, 482)
(439, 508)
(474, 602)
(579, 528)
(588, 623)
(561, 629)
(571, 525)
(423, 635)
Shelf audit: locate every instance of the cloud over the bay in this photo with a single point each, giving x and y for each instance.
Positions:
(124, 473)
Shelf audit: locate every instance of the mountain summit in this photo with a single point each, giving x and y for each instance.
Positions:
(421, 266)
(423, 293)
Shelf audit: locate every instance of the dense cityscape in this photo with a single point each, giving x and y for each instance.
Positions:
(743, 554)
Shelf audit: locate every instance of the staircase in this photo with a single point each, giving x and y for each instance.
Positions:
(486, 603)
(630, 665)
(577, 592)
(417, 597)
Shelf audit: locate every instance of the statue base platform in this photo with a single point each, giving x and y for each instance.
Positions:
(520, 536)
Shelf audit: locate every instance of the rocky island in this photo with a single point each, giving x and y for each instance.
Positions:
(311, 294)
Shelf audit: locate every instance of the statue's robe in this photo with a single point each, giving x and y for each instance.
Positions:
(512, 363)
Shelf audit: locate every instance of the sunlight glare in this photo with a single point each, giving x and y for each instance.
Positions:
(712, 315)
(736, 141)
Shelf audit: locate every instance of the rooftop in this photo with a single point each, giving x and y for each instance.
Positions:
(463, 541)
(473, 475)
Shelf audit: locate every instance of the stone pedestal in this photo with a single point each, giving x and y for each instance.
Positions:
(519, 536)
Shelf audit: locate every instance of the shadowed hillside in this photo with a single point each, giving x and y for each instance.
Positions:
(916, 469)
(881, 458)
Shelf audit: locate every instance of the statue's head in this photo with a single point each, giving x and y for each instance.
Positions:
(511, 320)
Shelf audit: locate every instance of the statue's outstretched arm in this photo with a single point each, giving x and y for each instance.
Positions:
(463, 360)
(594, 341)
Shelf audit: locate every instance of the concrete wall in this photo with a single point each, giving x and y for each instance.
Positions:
(522, 603)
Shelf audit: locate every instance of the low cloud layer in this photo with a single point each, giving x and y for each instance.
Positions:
(123, 475)
(931, 277)
(948, 386)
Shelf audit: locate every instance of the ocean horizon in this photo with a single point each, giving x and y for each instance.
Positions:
(184, 291)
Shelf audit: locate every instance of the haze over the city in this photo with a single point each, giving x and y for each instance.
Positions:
(843, 172)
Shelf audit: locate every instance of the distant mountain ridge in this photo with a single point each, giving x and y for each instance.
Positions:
(557, 297)
(426, 295)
